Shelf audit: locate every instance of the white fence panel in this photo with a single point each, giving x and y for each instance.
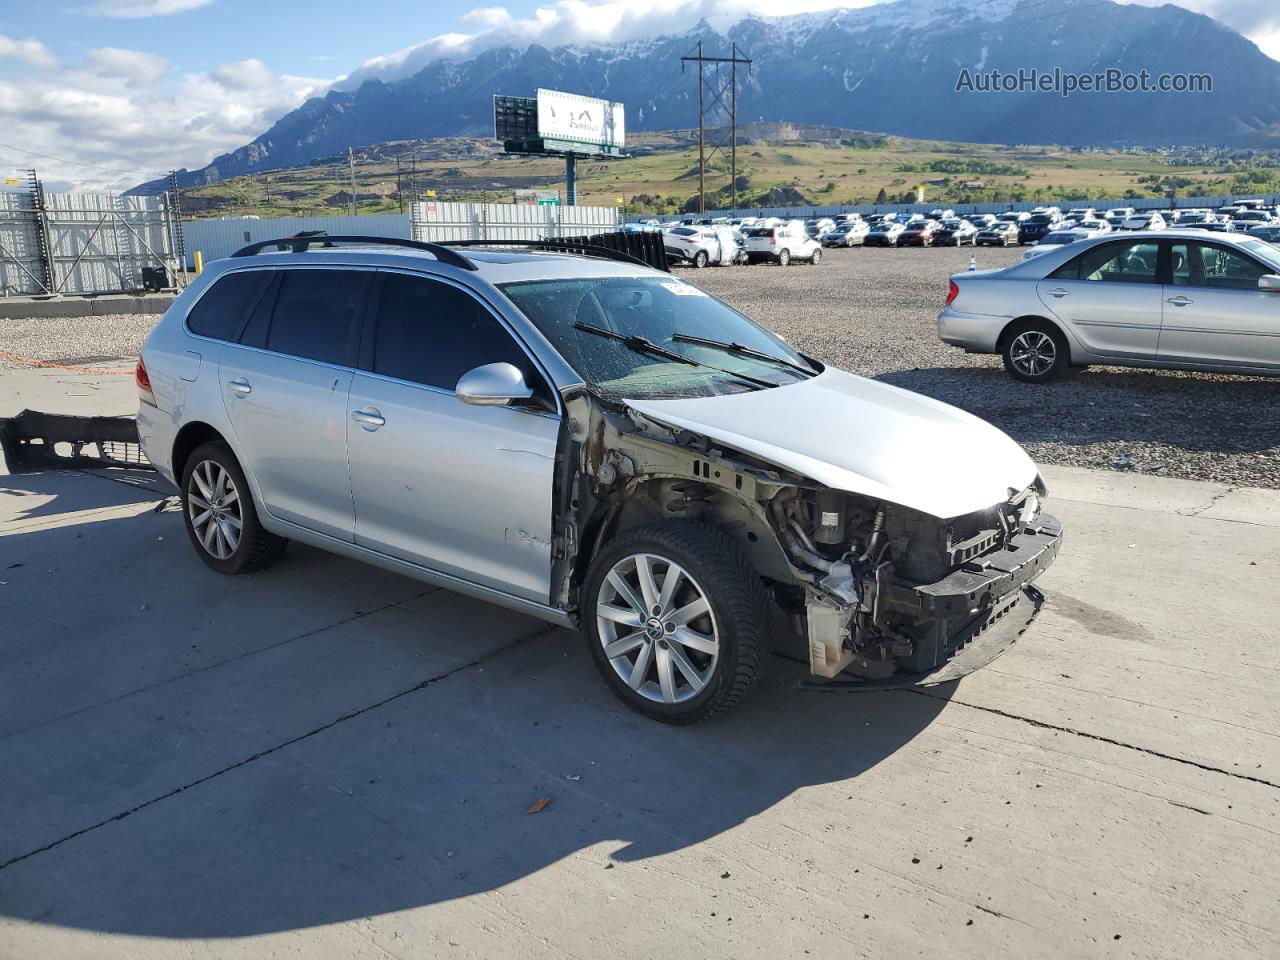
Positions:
(220, 238)
(439, 221)
(21, 270)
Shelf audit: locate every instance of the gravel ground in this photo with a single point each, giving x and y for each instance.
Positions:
(75, 341)
(872, 312)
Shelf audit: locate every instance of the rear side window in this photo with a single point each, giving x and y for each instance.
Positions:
(317, 314)
(221, 310)
(1114, 263)
(432, 333)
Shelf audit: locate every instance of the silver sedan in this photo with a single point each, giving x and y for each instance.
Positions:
(1184, 299)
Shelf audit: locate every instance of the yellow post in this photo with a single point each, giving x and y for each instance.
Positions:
(199, 262)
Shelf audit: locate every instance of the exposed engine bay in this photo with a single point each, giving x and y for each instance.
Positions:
(880, 593)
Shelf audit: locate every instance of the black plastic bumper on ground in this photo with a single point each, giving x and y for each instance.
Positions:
(39, 441)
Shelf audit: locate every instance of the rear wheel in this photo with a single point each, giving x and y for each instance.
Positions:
(220, 516)
(677, 621)
(816, 258)
(1035, 352)
(784, 258)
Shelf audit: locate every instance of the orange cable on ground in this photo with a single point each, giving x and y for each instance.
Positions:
(48, 364)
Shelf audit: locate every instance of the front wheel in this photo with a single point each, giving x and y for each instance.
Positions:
(1035, 352)
(677, 621)
(700, 259)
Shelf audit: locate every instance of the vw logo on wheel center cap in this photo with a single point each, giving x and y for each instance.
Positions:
(653, 628)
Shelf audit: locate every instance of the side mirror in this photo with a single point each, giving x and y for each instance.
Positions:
(1269, 282)
(492, 385)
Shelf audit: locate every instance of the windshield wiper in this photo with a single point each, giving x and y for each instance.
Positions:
(645, 345)
(744, 351)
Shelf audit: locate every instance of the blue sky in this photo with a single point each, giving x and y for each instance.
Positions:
(101, 94)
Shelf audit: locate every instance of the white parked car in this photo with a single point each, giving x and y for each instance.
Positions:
(1052, 241)
(701, 246)
(782, 244)
(1145, 220)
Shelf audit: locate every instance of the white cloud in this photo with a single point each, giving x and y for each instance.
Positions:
(135, 67)
(134, 9)
(127, 117)
(29, 51)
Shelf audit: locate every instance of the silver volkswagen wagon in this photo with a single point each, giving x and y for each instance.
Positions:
(591, 441)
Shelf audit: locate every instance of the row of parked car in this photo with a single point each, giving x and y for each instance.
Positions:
(723, 241)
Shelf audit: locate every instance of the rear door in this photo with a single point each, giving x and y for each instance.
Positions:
(463, 489)
(285, 388)
(1214, 311)
(1109, 298)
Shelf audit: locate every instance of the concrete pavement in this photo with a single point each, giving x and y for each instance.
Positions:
(327, 760)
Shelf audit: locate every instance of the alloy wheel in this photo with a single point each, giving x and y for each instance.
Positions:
(657, 628)
(213, 505)
(1033, 353)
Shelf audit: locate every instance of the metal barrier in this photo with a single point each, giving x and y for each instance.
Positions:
(84, 243)
(441, 221)
(643, 246)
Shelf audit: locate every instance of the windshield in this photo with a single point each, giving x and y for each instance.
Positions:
(1264, 251)
(655, 308)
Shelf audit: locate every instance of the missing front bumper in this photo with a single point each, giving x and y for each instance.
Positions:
(961, 623)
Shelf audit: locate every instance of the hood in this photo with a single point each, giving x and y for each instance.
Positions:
(863, 437)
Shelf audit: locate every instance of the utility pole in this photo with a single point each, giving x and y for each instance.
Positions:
(733, 60)
(351, 165)
(399, 189)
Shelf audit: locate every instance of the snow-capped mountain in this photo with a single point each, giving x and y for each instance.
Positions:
(892, 67)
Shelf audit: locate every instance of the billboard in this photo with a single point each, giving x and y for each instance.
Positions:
(567, 116)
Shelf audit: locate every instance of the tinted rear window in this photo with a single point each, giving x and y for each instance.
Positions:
(220, 311)
(318, 313)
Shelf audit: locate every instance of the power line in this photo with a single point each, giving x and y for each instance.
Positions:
(80, 163)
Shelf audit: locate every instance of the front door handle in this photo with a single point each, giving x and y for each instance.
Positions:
(1179, 301)
(240, 387)
(368, 417)
(1059, 293)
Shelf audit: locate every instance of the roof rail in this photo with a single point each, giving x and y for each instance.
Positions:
(563, 246)
(300, 244)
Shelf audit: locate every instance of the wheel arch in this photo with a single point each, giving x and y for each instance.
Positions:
(192, 435)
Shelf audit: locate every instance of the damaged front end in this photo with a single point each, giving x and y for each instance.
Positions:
(884, 595)
(916, 600)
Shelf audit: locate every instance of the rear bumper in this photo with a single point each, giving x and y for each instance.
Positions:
(977, 332)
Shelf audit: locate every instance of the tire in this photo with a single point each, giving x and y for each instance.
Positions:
(700, 259)
(732, 638)
(212, 482)
(816, 258)
(1035, 351)
(784, 258)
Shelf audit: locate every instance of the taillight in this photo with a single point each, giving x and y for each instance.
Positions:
(145, 394)
(952, 292)
(773, 236)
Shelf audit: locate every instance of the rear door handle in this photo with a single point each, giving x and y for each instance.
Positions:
(1059, 293)
(368, 417)
(1179, 301)
(240, 387)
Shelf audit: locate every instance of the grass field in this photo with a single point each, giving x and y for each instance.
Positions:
(662, 175)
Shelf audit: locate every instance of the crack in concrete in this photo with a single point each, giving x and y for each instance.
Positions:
(422, 684)
(1208, 768)
(1197, 511)
(219, 663)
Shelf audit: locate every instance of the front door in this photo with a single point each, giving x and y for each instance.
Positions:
(1214, 311)
(1109, 298)
(285, 391)
(462, 489)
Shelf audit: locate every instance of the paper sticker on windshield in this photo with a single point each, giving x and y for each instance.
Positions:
(682, 289)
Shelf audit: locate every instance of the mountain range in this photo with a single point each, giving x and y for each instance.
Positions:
(893, 67)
